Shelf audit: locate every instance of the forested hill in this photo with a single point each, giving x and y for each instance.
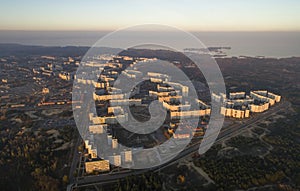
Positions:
(25, 50)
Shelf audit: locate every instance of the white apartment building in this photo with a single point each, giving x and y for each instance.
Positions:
(235, 113)
(125, 102)
(261, 97)
(277, 98)
(114, 143)
(97, 129)
(113, 90)
(154, 75)
(237, 95)
(110, 119)
(134, 74)
(161, 88)
(109, 140)
(259, 108)
(126, 157)
(115, 160)
(179, 107)
(189, 114)
(215, 97)
(101, 166)
(202, 105)
(183, 89)
(108, 97)
(116, 110)
(170, 99)
(248, 104)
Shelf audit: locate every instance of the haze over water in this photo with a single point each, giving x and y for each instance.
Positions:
(269, 44)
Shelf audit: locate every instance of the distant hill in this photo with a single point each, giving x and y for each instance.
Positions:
(25, 50)
(160, 54)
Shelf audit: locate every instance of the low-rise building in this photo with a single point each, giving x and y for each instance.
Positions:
(45, 91)
(100, 166)
(64, 76)
(103, 85)
(181, 135)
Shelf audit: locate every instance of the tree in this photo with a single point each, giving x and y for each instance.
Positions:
(65, 179)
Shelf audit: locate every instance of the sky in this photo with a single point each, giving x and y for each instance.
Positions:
(192, 15)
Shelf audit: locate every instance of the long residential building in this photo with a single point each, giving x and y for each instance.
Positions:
(235, 113)
(108, 97)
(259, 108)
(180, 107)
(262, 97)
(239, 105)
(237, 95)
(110, 119)
(125, 102)
(177, 86)
(97, 129)
(189, 114)
(100, 166)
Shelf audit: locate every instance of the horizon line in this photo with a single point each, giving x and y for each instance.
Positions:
(107, 30)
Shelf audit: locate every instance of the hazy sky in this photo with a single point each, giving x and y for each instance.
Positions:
(200, 15)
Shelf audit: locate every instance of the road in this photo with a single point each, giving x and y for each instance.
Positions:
(226, 133)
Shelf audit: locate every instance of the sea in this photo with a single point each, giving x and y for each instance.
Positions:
(267, 44)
